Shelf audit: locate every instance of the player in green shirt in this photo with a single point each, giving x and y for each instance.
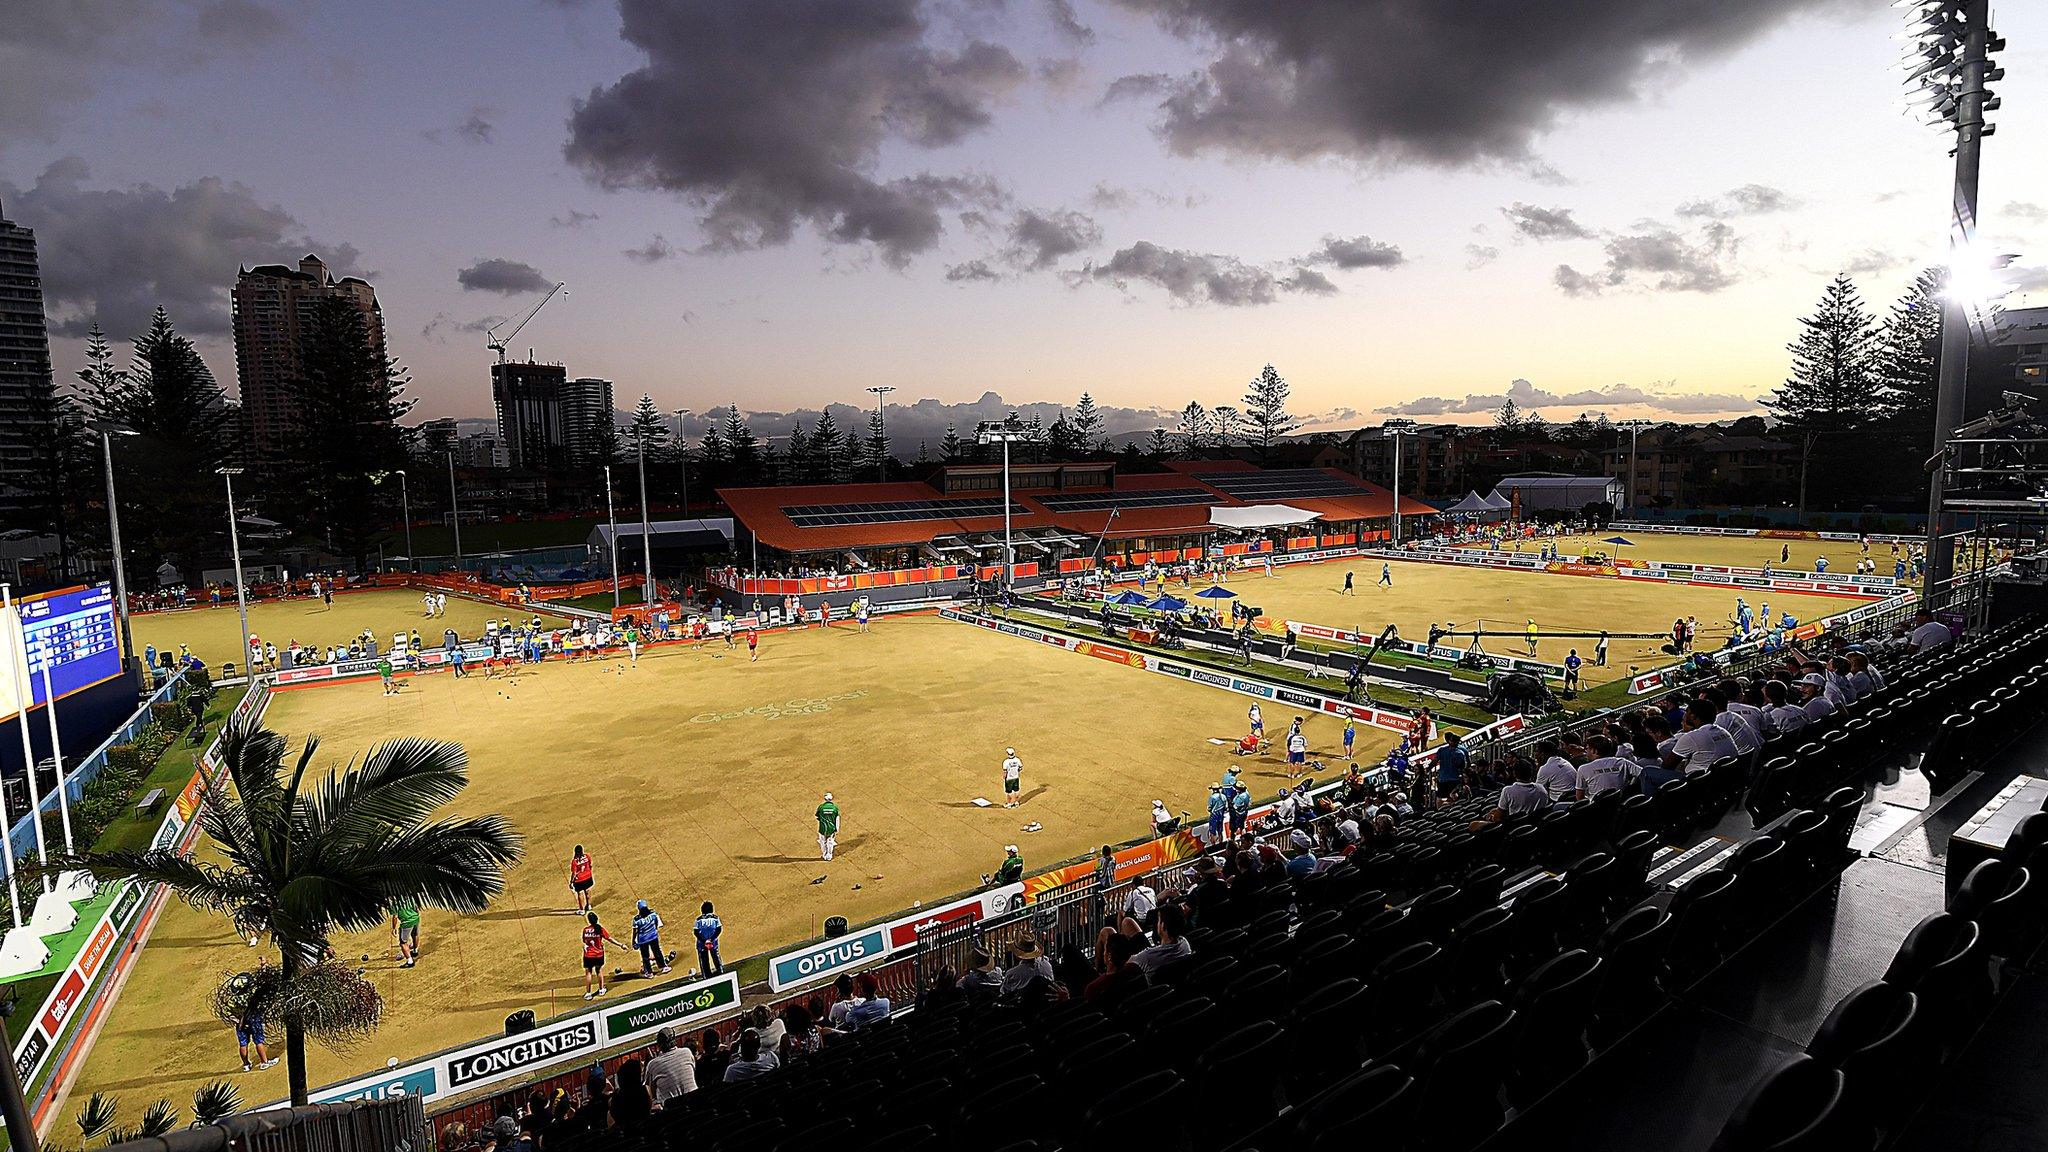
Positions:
(405, 925)
(384, 670)
(828, 826)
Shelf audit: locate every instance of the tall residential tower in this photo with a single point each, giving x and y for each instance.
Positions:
(27, 408)
(273, 305)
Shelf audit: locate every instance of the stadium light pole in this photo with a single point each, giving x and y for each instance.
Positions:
(1395, 428)
(108, 430)
(646, 533)
(235, 544)
(611, 520)
(881, 458)
(1634, 427)
(683, 457)
(412, 560)
(1005, 432)
(454, 512)
(1951, 43)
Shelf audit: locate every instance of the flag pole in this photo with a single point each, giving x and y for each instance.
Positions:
(56, 748)
(7, 821)
(19, 657)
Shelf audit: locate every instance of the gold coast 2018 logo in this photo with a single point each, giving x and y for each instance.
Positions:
(778, 711)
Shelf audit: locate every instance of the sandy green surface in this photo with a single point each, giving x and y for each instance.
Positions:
(210, 632)
(693, 776)
(1506, 600)
(1734, 551)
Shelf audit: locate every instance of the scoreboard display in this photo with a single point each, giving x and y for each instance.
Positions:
(74, 634)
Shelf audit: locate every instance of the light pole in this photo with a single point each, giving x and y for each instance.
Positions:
(1952, 43)
(1394, 429)
(882, 425)
(107, 431)
(683, 456)
(611, 520)
(454, 512)
(412, 559)
(1005, 432)
(1634, 427)
(646, 534)
(235, 543)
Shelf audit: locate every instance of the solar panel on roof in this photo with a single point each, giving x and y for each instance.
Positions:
(1104, 501)
(896, 512)
(1283, 484)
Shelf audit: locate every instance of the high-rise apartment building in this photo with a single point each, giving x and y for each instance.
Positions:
(586, 416)
(27, 413)
(529, 400)
(273, 306)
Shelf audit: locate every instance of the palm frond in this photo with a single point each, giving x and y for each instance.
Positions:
(216, 1100)
(200, 884)
(458, 865)
(400, 783)
(161, 1117)
(96, 1116)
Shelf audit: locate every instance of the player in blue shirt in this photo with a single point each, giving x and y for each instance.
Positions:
(707, 930)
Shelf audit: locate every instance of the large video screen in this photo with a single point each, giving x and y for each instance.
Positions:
(75, 634)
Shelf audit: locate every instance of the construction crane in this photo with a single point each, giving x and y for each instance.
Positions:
(497, 343)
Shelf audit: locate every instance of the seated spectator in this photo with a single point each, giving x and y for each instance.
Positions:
(871, 1005)
(843, 1001)
(1557, 776)
(1840, 689)
(1525, 795)
(981, 982)
(1141, 903)
(1303, 863)
(752, 1061)
(595, 1113)
(673, 1071)
(1606, 771)
(800, 1035)
(770, 1027)
(1864, 678)
(711, 1064)
(1172, 943)
(1701, 743)
(1928, 633)
(1786, 718)
(1735, 724)
(942, 991)
(1816, 705)
(1031, 972)
(631, 1104)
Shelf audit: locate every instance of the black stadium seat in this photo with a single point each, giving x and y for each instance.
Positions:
(1797, 1108)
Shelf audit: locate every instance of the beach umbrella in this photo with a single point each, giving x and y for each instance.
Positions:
(1619, 540)
(1167, 604)
(1216, 592)
(1128, 598)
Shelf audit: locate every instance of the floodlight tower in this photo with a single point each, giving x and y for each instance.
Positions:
(1394, 430)
(1950, 71)
(1005, 432)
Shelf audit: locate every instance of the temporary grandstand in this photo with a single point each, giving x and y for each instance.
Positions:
(1061, 517)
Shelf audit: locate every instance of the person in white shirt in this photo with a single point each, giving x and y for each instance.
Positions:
(1141, 902)
(673, 1070)
(1013, 777)
(1746, 738)
(1605, 772)
(1557, 775)
(1817, 705)
(1864, 678)
(1701, 743)
(1929, 633)
(1840, 680)
(1525, 795)
(1786, 717)
(1733, 691)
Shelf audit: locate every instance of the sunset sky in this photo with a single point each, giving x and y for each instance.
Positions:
(1624, 204)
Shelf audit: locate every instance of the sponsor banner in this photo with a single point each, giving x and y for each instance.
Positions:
(1215, 678)
(422, 1080)
(1647, 682)
(58, 1008)
(826, 958)
(980, 906)
(491, 1062)
(1135, 860)
(95, 950)
(682, 1007)
(29, 1056)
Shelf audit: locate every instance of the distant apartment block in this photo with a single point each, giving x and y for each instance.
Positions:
(273, 306)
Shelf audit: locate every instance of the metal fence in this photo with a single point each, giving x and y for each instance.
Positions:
(80, 774)
(394, 1124)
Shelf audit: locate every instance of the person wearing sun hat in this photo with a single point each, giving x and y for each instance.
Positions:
(1013, 777)
(1031, 969)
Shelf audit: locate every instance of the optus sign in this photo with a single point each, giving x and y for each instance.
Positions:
(826, 958)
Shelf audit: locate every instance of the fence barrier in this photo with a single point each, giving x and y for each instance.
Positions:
(395, 1125)
(22, 834)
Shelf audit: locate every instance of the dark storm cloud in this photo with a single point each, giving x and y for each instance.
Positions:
(1748, 200)
(1530, 398)
(1041, 239)
(773, 113)
(1430, 83)
(654, 251)
(1660, 259)
(1535, 223)
(1356, 252)
(507, 277)
(1200, 277)
(1067, 23)
(114, 254)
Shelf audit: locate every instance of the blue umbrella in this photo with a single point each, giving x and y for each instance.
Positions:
(1619, 540)
(1127, 598)
(1216, 592)
(1167, 604)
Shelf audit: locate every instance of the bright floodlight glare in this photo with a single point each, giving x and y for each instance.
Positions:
(1976, 281)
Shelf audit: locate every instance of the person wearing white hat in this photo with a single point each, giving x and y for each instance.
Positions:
(1162, 820)
(828, 827)
(1817, 705)
(1013, 777)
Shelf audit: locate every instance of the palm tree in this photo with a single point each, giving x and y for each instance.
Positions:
(304, 860)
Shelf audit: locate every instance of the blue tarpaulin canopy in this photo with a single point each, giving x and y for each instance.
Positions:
(1619, 540)
(1216, 592)
(1168, 604)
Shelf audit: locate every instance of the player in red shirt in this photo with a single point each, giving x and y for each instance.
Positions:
(581, 877)
(594, 939)
(753, 644)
